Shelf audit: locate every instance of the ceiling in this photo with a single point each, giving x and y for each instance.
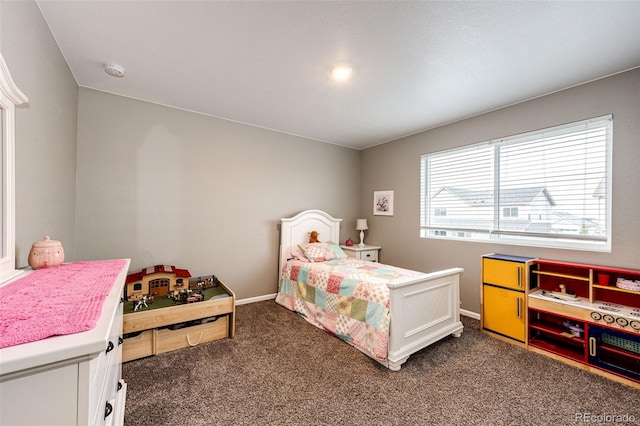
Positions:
(416, 65)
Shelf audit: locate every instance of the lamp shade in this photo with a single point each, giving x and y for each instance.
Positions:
(361, 224)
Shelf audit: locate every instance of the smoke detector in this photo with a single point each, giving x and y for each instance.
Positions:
(114, 70)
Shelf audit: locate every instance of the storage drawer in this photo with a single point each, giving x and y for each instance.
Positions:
(98, 368)
(117, 418)
(105, 370)
(106, 396)
(370, 255)
(169, 340)
(138, 346)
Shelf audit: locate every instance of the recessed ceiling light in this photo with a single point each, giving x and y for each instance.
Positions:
(114, 70)
(341, 72)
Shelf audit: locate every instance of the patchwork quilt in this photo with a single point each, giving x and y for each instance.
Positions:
(348, 298)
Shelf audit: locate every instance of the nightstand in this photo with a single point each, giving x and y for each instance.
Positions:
(367, 252)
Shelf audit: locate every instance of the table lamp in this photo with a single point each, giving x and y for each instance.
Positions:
(361, 225)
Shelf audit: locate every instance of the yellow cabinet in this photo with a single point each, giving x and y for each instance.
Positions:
(504, 296)
(504, 312)
(504, 273)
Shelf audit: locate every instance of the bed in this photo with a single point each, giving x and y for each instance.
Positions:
(386, 312)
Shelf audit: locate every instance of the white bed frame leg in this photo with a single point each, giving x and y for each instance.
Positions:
(395, 365)
(457, 334)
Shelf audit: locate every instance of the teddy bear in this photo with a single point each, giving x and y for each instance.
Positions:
(313, 237)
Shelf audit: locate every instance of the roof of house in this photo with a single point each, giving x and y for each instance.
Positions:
(511, 196)
(158, 269)
(574, 220)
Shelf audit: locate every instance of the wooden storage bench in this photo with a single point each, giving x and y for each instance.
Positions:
(155, 331)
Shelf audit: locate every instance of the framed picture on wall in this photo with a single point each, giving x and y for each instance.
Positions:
(383, 203)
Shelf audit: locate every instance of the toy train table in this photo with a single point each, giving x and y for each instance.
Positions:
(168, 309)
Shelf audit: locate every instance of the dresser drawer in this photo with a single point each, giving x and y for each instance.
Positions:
(106, 371)
(105, 410)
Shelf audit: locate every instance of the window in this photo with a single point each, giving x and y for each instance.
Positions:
(548, 188)
(137, 287)
(510, 212)
(10, 96)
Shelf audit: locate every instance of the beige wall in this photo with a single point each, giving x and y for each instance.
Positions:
(164, 186)
(139, 165)
(45, 130)
(396, 165)
(155, 184)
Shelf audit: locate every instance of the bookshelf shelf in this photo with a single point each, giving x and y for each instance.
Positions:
(599, 330)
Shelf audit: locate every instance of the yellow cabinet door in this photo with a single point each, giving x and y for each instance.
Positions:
(503, 311)
(503, 273)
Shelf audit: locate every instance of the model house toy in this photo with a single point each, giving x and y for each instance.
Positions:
(158, 280)
(168, 282)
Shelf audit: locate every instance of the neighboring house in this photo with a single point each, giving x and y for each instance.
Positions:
(572, 224)
(158, 280)
(522, 209)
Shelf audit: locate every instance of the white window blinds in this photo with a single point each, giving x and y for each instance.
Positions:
(548, 187)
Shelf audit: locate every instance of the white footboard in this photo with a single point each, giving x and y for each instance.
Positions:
(423, 311)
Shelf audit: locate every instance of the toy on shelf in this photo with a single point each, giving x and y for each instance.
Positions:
(167, 286)
(574, 328)
(632, 285)
(139, 304)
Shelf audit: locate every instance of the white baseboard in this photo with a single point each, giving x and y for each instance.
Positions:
(470, 314)
(256, 299)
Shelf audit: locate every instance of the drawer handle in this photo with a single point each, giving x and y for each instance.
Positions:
(592, 346)
(196, 343)
(120, 340)
(108, 409)
(119, 387)
(518, 308)
(519, 277)
(110, 347)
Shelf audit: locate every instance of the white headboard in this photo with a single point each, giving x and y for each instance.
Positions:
(295, 230)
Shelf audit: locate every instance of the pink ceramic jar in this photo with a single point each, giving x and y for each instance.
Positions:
(46, 253)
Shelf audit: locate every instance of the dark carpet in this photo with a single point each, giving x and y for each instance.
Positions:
(280, 370)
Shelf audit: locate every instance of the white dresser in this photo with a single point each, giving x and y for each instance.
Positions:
(68, 380)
